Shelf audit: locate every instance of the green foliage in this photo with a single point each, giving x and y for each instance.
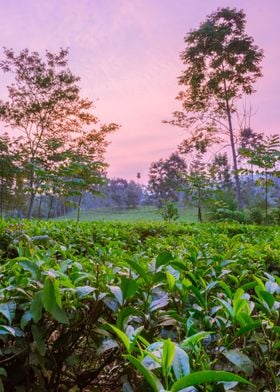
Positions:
(163, 306)
(166, 178)
(58, 138)
(169, 211)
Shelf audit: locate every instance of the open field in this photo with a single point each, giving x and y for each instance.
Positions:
(144, 214)
(139, 307)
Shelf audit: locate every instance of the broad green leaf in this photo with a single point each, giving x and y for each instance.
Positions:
(248, 328)
(147, 374)
(260, 282)
(39, 340)
(167, 357)
(163, 258)
(36, 307)
(194, 339)
(60, 315)
(8, 310)
(26, 317)
(267, 297)
(137, 267)
(181, 363)
(48, 295)
(226, 288)
(241, 305)
(206, 376)
(121, 335)
(227, 306)
(242, 361)
(123, 314)
(170, 280)
(129, 287)
(32, 267)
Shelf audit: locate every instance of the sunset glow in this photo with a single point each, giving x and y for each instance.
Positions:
(127, 55)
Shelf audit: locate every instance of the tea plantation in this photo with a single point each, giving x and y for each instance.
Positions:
(139, 307)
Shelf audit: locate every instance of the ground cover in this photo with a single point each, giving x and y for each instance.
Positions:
(139, 307)
(139, 214)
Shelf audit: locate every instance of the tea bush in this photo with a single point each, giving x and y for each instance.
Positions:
(139, 307)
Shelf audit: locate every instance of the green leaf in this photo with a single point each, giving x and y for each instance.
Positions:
(122, 336)
(242, 361)
(267, 297)
(39, 340)
(129, 287)
(168, 353)
(147, 374)
(137, 267)
(227, 306)
(32, 267)
(194, 339)
(248, 328)
(49, 294)
(36, 307)
(8, 310)
(260, 282)
(170, 280)
(206, 376)
(26, 317)
(181, 363)
(163, 258)
(60, 315)
(123, 314)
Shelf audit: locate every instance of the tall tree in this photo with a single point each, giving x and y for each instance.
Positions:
(222, 64)
(44, 102)
(199, 185)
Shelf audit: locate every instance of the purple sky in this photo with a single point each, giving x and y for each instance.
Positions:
(127, 55)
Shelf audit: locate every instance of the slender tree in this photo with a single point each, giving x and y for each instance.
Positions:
(221, 65)
(265, 156)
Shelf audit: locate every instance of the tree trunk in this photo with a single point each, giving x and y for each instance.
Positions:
(30, 207)
(266, 198)
(79, 208)
(234, 158)
(40, 206)
(50, 208)
(2, 198)
(32, 192)
(199, 213)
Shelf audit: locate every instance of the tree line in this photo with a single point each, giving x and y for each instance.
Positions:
(59, 150)
(56, 156)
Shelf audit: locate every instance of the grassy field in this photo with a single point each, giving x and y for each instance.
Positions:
(144, 214)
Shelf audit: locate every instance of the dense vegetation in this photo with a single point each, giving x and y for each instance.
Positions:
(139, 307)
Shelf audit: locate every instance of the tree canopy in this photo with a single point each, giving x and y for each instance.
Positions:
(222, 64)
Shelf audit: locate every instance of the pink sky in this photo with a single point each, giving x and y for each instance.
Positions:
(127, 55)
